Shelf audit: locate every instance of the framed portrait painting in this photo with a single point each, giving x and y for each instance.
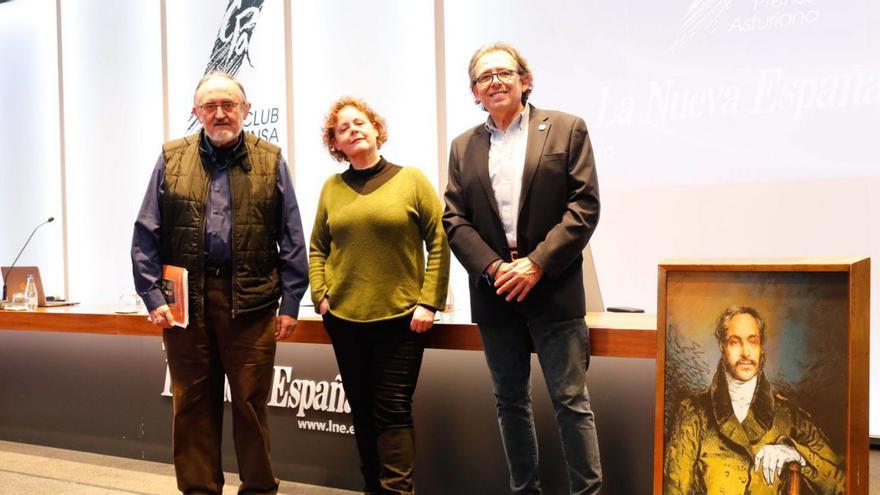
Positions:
(762, 377)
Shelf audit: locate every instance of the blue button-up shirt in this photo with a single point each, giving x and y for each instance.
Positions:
(218, 221)
(507, 158)
(147, 266)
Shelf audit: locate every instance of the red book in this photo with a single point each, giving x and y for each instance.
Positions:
(175, 288)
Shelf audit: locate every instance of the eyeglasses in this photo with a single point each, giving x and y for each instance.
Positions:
(504, 76)
(212, 107)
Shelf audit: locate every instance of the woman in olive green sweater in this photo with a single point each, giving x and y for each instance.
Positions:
(372, 285)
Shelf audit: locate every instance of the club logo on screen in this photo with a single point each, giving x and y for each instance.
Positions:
(702, 17)
(706, 18)
(232, 45)
(232, 48)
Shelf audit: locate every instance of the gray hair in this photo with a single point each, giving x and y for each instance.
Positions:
(218, 74)
(729, 313)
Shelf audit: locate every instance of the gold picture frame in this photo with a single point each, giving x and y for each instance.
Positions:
(762, 377)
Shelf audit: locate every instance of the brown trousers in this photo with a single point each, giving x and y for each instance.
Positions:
(243, 349)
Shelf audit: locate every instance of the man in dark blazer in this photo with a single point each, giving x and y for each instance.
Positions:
(521, 204)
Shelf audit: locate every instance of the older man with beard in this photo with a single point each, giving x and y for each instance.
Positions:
(221, 204)
(738, 436)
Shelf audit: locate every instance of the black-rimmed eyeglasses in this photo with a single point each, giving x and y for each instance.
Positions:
(504, 76)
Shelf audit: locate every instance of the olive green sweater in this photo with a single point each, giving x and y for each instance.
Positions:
(366, 254)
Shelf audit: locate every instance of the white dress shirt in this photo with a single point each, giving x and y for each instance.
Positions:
(741, 394)
(507, 157)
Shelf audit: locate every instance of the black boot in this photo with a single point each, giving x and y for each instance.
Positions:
(371, 480)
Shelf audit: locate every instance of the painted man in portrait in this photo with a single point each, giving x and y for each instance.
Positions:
(740, 436)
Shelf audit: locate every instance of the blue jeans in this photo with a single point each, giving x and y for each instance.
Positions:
(563, 349)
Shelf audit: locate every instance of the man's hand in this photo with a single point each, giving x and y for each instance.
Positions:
(422, 320)
(284, 326)
(772, 458)
(516, 279)
(324, 306)
(162, 317)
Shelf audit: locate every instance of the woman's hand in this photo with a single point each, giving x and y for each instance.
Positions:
(324, 306)
(422, 320)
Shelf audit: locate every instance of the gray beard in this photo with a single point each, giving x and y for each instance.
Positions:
(223, 137)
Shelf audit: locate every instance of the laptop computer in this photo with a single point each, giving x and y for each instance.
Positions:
(16, 281)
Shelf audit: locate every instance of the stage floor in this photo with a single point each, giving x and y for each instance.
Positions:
(36, 470)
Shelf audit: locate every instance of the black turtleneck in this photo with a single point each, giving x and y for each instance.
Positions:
(367, 180)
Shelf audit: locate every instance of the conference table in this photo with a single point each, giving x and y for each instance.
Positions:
(611, 334)
(85, 378)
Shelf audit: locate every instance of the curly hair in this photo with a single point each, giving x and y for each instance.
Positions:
(329, 128)
(729, 313)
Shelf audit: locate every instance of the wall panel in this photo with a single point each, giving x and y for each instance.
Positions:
(382, 53)
(113, 127)
(30, 190)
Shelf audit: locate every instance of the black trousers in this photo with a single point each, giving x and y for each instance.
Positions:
(243, 349)
(379, 363)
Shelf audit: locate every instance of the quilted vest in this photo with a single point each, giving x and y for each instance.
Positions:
(253, 187)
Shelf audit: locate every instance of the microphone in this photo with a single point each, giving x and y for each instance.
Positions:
(51, 219)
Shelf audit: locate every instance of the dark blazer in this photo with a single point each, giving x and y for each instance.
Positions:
(558, 212)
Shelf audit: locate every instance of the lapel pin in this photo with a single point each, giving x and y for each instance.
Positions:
(542, 127)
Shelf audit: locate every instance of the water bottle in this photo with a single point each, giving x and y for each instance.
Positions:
(30, 294)
(450, 301)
